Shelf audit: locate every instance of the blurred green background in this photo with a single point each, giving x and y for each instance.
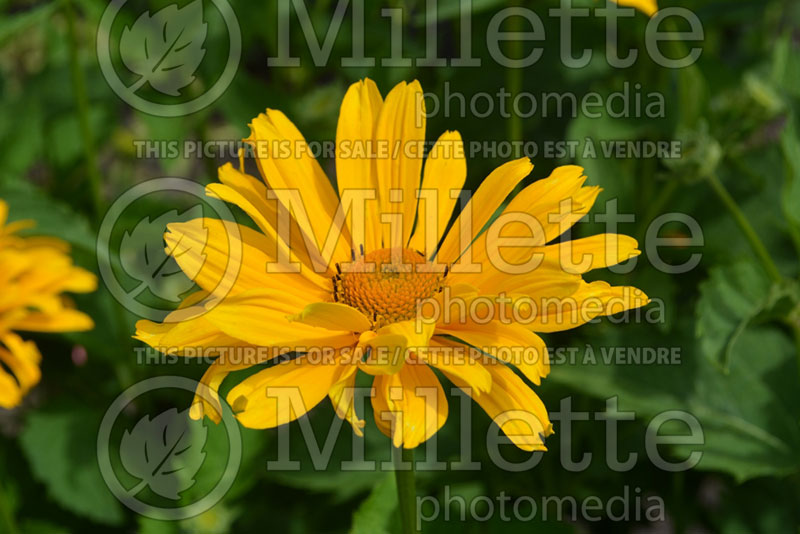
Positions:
(68, 149)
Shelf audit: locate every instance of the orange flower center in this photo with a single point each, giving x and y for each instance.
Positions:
(387, 285)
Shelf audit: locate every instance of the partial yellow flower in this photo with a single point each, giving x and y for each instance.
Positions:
(34, 271)
(648, 7)
(345, 289)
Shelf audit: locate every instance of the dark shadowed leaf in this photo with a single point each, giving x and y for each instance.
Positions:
(61, 450)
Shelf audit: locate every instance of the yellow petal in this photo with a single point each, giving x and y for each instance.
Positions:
(399, 136)
(282, 393)
(409, 406)
(596, 252)
(543, 280)
(22, 358)
(260, 317)
(10, 393)
(393, 344)
(483, 204)
(342, 395)
(251, 195)
(287, 164)
(355, 161)
(514, 407)
(509, 343)
(648, 7)
(64, 320)
(539, 213)
(332, 316)
(79, 280)
(194, 336)
(206, 399)
(456, 360)
(224, 258)
(590, 301)
(443, 179)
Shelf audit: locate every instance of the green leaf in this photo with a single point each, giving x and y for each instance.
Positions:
(376, 512)
(216, 520)
(218, 454)
(12, 25)
(21, 147)
(790, 146)
(765, 505)
(60, 448)
(42, 527)
(52, 218)
(748, 415)
(156, 526)
(786, 65)
(65, 144)
(729, 300)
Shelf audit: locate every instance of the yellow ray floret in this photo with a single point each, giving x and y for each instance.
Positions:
(34, 272)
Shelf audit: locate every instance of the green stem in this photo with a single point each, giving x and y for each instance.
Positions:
(7, 512)
(796, 332)
(514, 75)
(746, 228)
(82, 103)
(406, 492)
(92, 170)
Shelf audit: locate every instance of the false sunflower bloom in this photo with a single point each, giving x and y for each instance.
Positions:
(34, 271)
(362, 276)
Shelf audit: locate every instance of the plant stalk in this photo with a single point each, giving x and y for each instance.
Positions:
(82, 104)
(796, 332)
(7, 513)
(514, 76)
(92, 170)
(406, 492)
(746, 228)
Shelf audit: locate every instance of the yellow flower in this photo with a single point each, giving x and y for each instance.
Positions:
(359, 302)
(34, 271)
(648, 7)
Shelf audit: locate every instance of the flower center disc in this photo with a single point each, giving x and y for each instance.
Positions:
(387, 285)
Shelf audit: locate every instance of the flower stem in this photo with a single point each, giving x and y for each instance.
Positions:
(82, 103)
(406, 492)
(7, 513)
(92, 170)
(514, 75)
(796, 331)
(746, 228)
